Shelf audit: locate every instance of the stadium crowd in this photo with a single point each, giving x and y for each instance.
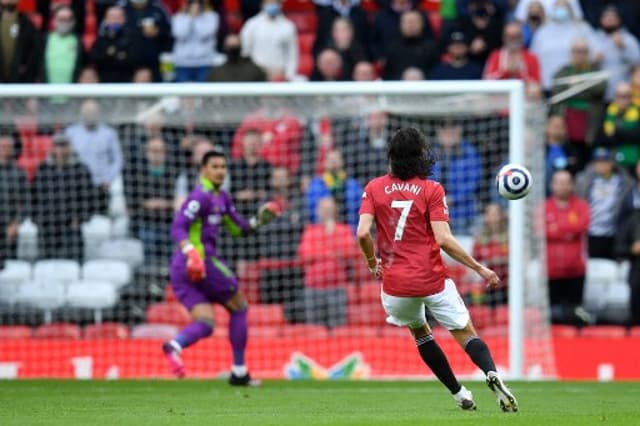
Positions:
(581, 57)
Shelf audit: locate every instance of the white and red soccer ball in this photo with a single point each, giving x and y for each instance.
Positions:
(513, 181)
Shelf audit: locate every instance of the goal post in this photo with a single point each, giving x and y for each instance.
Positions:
(494, 115)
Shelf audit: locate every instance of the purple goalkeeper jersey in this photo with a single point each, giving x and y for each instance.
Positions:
(204, 211)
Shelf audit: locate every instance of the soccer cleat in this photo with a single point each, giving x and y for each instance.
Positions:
(464, 399)
(505, 398)
(173, 357)
(245, 380)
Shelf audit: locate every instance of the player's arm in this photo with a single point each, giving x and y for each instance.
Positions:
(190, 211)
(452, 247)
(366, 244)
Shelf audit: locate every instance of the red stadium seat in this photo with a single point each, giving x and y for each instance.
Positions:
(501, 315)
(603, 331)
(481, 316)
(108, 330)
(167, 313)
(88, 40)
(635, 331)
(305, 22)
(305, 65)
(265, 332)
(298, 6)
(305, 43)
(249, 278)
(355, 331)
(234, 20)
(266, 315)
(58, 331)
(564, 331)
(366, 314)
(11, 332)
(310, 331)
(435, 20)
(36, 19)
(441, 333)
(495, 331)
(154, 331)
(370, 292)
(393, 331)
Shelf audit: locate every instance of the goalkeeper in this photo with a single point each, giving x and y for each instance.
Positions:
(199, 277)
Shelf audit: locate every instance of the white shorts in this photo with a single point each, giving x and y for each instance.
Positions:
(447, 307)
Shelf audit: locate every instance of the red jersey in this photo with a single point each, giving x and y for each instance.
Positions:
(403, 211)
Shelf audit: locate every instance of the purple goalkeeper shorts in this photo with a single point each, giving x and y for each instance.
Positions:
(219, 285)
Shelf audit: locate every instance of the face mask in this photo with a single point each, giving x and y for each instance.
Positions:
(272, 9)
(63, 27)
(560, 14)
(233, 53)
(611, 30)
(535, 19)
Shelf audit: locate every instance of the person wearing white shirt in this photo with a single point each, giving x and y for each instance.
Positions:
(194, 51)
(271, 40)
(523, 7)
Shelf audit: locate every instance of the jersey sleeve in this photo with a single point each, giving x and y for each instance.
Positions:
(437, 205)
(367, 201)
(193, 208)
(232, 221)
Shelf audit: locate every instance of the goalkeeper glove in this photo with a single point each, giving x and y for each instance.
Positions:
(266, 214)
(195, 264)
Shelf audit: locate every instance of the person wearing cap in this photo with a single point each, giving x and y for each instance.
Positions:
(608, 190)
(512, 61)
(456, 65)
(619, 48)
(63, 198)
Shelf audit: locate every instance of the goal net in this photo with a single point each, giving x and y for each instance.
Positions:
(94, 175)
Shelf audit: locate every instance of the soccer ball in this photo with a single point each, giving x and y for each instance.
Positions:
(513, 181)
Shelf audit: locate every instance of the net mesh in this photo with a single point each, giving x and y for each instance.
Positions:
(86, 292)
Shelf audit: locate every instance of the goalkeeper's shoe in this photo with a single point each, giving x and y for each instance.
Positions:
(464, 399)
(505, 398)
(245, 380)
(173, 358)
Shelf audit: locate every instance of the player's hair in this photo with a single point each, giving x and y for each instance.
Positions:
(214, 153)
(409, 154)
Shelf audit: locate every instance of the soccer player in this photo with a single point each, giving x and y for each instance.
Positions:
(199, 277)
(411, 214)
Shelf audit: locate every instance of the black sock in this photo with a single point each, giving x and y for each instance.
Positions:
(436, 360)
(479, 353)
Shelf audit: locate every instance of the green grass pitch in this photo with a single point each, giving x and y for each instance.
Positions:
(304, 403)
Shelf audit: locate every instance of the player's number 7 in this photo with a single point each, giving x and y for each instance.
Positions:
(405, 205)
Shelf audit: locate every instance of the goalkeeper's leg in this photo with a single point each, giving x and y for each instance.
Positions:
(237, 307)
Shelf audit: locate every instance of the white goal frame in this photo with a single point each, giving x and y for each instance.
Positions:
(514, 89)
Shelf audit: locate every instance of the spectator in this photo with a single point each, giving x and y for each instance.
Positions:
(364, 71)
(142, 76)
(566, 218)
(629, 11)
(561, 154)
(194, 52)
(63, 52)
(366, 156)
(283, 234)
(582, 110)
(97, 147)
(237, 68)
(459, 170)
(148, 186)
(351, 50)
(412, 74)
(249, 175)
(619, 48)
(411, 49)
(271, 40)
(457, 66)
(547, 5)
(552, 41)
(327, 251)
(628, 246)
(88, 75)
(353, 17)
(535, 18)
(635, 84)
(63, 198)
(77, 7)
(329, 67)
(149, 21)
(483, 28)
(13, 199)
(102, 6)
(116, 50)
(621, 128)
(513, 61)
(386, 26)
(491, 248)
(334, 182)
(20, 55)
(607, 188)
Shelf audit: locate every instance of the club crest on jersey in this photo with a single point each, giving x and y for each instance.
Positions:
(402, 187)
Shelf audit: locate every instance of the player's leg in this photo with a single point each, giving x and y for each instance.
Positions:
(407, 311)
(238, 327)
(450, 311)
